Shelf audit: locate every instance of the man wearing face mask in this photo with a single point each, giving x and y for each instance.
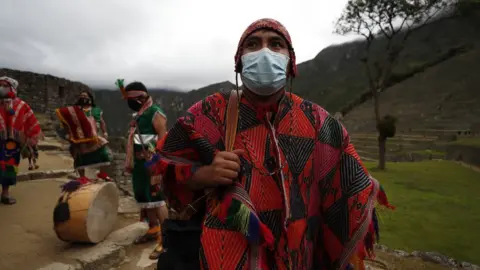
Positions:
(19, 128)
(87, 102)
(148, 124)
(298, 195)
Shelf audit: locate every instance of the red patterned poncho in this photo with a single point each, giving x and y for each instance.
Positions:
(19, 123)
(317, 203)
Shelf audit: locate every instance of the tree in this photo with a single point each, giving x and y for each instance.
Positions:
(374, 19)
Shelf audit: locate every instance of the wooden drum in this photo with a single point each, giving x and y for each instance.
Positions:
(93, 210)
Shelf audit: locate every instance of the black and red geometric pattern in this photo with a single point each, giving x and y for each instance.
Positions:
(317, 206)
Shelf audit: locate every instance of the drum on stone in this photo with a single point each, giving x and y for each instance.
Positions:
(88, 214)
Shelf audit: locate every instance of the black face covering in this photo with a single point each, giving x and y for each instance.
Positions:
(84, 101)
(134, 104)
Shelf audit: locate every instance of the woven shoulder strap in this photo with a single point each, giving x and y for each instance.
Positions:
(231, 119)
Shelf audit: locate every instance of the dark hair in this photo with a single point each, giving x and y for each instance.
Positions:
(90, 96)
(137, 86)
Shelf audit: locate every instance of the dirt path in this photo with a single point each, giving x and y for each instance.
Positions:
(27, 238)
(48, 161)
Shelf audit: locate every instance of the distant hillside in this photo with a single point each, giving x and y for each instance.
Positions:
(335, 78)
(444, 99)
(440, 62)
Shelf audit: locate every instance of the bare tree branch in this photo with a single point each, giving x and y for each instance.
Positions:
(373, 18)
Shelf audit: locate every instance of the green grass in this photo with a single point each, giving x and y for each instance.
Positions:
(435, 153)
(438, 208)
(475, 141)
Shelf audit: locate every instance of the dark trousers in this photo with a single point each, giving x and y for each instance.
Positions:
(181, 239)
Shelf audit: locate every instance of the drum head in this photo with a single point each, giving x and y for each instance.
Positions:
(102, 213)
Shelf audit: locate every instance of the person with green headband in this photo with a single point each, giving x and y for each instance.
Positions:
(148, 125)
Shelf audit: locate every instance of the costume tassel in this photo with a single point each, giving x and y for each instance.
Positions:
(121, 86)
(71, 186)
(238, 216)
(383, 200)
(152, 162)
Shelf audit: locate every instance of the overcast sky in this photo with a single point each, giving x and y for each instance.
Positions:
(184, 44)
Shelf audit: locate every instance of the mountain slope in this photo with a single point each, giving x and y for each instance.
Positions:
(444, 97)
(335, 78)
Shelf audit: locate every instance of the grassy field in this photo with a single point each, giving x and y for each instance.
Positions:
(438, 208)
(474, 141)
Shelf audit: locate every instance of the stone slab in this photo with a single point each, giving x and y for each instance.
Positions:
(102, 256)
(128, 234)
(49, 174)
(144, 261)
(60, 266)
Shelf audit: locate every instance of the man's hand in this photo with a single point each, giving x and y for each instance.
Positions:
(223, 170)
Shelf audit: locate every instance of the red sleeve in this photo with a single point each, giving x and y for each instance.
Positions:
(188, 145)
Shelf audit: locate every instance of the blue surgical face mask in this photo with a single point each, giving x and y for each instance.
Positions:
(264, 72)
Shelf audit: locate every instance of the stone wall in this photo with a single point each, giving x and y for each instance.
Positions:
(44, 93)
(116, 171)
(117, 144)
(464, 153)
(442, 100)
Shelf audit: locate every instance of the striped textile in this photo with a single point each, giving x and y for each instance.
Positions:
(80, 127)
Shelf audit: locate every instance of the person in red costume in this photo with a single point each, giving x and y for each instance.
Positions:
(19, 128)
(293, 194)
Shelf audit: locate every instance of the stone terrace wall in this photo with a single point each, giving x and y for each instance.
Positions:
(443, 99)
(464, 153)
(44, 93)
(116, 169)
(117, 144)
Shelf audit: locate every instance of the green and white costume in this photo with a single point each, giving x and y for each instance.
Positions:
(146, 133)
(97, 114)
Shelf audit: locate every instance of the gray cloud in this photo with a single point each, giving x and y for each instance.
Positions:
(171, 43)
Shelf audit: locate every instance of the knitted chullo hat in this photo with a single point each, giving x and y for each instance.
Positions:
(266, 24)
(12, 94)
(13, 84)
